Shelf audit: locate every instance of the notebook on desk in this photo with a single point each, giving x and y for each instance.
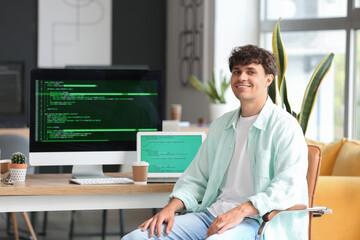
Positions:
(168, 153)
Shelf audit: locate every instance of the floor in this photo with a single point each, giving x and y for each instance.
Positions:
(58, 224)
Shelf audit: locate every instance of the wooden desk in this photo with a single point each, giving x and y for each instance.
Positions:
(53, 192)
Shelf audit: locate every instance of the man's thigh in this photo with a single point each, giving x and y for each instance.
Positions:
(246, 230)
(190, 226)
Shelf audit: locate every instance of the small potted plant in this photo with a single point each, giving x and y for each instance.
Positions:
(215, 92)
(18, 167)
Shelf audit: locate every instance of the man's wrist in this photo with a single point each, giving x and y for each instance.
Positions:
(247, 209)
(175, 205)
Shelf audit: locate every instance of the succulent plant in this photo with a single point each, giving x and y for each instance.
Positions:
(18, 158)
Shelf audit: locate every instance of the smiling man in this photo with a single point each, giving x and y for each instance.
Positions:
(253, 160)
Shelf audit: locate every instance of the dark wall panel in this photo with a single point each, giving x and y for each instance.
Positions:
(18, 43)
(139, 33)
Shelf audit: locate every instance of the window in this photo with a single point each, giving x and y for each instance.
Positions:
(357, 93)
(303, 9)
(310, 30)
(357, 3)
(305, 50)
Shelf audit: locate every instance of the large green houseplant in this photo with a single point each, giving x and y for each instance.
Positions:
(279, 85)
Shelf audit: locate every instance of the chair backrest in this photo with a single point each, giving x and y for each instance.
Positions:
(10, 143)
(314, 158)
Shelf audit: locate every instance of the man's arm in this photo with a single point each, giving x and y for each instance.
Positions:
(231, 218)
(166, 215)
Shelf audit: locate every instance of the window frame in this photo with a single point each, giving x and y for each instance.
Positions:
(350, 23)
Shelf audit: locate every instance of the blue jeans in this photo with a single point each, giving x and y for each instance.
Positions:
(194, 226)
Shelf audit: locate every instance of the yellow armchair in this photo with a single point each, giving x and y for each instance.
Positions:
(338, 188)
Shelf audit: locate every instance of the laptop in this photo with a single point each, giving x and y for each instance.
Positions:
(168, 153)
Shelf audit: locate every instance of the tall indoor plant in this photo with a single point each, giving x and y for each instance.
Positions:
(215, 92)
(279, 85)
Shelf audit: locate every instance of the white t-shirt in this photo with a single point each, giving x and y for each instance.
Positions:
(239, 184)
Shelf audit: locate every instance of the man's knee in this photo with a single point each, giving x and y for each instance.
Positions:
(136, 234)
(225, 236)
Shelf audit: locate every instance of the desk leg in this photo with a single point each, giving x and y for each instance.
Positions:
(34, 221)
(15, 225)
(71, 233)
(122, 219)
(103, 230)
(29, 226)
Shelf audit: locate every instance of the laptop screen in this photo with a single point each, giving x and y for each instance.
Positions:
(169, 153)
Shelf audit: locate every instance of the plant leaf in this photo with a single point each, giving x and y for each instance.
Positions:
(201, 87)
(213, 91)
(283, 95)
(295, 115)
(272, 91)
(224, 86)
(280, 54)
(312, 90)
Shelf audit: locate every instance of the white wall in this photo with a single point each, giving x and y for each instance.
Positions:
(236, 24)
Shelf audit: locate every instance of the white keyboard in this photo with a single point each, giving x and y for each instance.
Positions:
(92, 181)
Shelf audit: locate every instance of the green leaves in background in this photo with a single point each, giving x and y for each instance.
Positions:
(312, 90)
(312, 87)
(210, 88)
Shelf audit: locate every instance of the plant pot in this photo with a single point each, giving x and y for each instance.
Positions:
(18, 172)
(217, 110)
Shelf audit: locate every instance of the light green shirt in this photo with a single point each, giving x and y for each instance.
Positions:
(278, 163)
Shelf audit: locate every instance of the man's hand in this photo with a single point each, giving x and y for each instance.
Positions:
(231, 218)
(166, 215)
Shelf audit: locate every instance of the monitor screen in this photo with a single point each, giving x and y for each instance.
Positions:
(91, 116)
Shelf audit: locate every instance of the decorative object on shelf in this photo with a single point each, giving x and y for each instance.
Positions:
(191, 37)
(18, 167)
(215, 92)
(313, 86)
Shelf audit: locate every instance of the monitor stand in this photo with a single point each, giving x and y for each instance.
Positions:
(88, 171)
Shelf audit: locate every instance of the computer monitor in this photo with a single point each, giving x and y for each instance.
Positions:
(90, 117)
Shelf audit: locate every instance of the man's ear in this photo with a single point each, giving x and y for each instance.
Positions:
(269, 79)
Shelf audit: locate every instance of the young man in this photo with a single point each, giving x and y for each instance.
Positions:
(253, 160)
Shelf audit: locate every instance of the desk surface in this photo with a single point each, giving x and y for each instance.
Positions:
(53, 192)
(58, 184)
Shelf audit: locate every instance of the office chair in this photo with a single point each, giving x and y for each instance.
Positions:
(10, 143)
(314, 158)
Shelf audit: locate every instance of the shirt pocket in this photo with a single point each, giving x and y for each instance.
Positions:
(263, 168)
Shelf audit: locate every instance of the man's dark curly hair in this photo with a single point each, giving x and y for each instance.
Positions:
(248, 54)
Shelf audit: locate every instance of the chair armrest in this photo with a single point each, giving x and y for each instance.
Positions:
(268, 216)
(318, 211)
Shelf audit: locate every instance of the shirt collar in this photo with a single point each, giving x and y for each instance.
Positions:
(262, 119)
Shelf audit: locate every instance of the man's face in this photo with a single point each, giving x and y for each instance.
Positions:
(249, 83)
